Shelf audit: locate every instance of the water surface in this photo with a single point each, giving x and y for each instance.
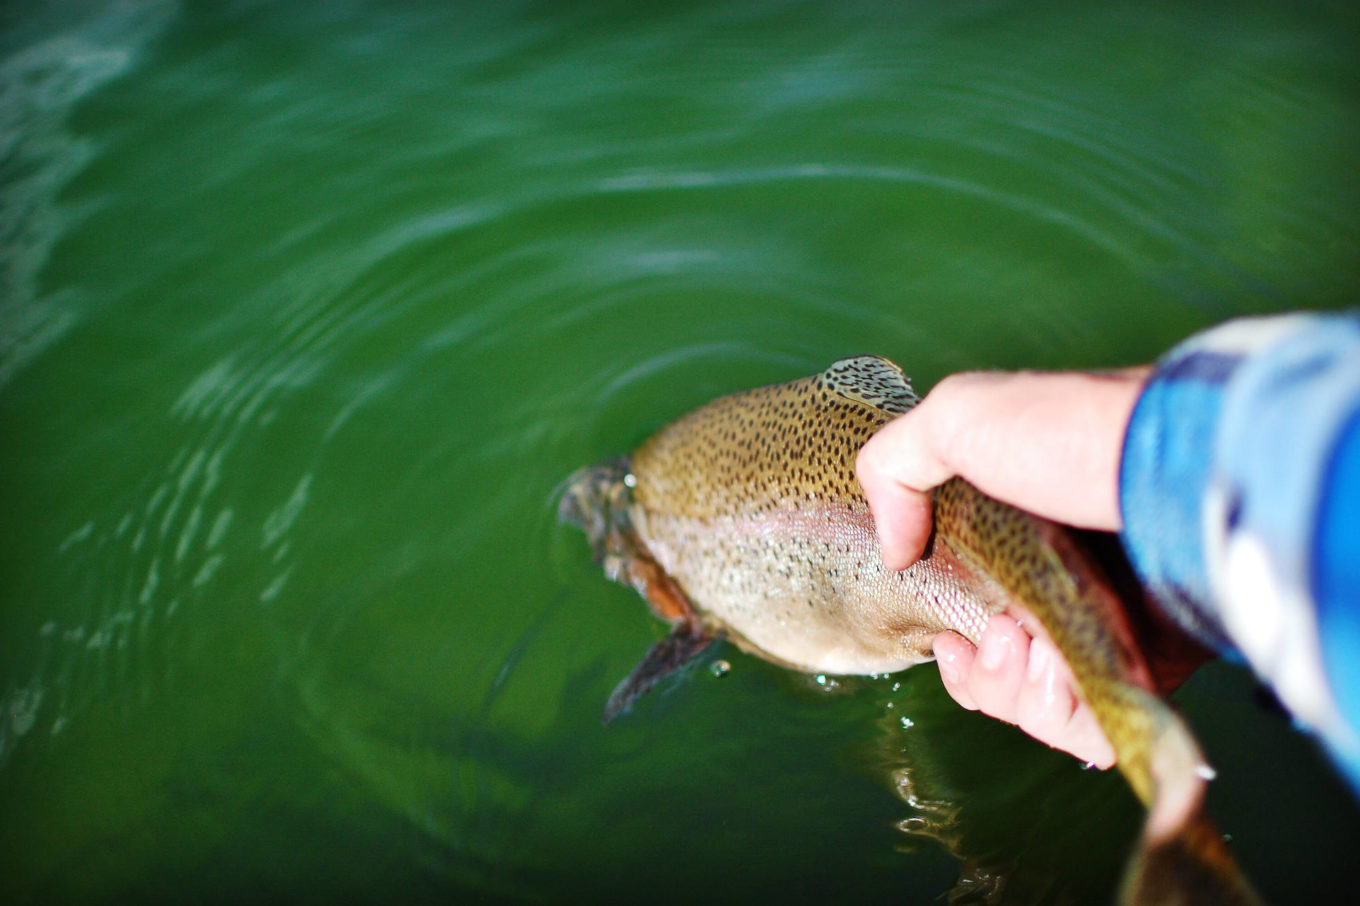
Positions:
(307, 309)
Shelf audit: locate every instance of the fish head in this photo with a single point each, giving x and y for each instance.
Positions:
(595, 500)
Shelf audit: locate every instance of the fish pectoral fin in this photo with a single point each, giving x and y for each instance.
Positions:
(666, 599)
(684, 643)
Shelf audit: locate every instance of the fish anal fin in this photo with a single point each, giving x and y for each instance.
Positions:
(871, 380)
(684, 643)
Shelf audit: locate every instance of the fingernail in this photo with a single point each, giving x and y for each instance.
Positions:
(949, 669)
(993, 650)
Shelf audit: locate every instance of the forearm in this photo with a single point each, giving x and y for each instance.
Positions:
(1240, 498)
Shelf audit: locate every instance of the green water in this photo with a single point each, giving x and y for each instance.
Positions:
(306, 310)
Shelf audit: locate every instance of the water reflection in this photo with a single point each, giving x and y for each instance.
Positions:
(305, 309)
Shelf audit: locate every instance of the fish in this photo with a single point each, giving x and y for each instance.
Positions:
(744, 520)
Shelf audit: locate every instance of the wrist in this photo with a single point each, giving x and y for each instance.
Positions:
(1223, 480)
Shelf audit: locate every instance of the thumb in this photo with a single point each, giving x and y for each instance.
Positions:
(897, 470)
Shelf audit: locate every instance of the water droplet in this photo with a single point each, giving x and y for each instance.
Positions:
(720, 668)
(630, 480)
(821, 679)
(907, 723)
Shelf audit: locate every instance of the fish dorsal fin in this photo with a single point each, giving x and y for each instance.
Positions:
(873, 381)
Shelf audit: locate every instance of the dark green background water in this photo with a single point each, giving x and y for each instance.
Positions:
(306, 309)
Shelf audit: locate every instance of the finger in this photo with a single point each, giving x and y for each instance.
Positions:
(903, 519)
(897, 471)
(1049, 443)
(999, 669)
(1047, 708)
(1086, 740)
(955, 655)
(1045, 703)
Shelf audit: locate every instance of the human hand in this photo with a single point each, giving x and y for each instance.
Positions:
(1047, 443)
(1022, 680)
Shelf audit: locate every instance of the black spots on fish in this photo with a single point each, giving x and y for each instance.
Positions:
(756, 451)
(871, 380)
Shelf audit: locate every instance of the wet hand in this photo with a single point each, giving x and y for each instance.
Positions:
(1022, 680)
(1047, 443)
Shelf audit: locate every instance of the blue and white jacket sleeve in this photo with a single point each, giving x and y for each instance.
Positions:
(1240, 492)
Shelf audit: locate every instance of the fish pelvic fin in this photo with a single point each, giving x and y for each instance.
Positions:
(684, 643)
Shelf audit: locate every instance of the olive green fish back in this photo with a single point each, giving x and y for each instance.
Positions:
(773, 446)
(1182, 858)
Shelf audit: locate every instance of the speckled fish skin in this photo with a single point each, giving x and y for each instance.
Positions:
(752, 506)
(745, 519)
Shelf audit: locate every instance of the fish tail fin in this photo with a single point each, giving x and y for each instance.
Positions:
(1191, 867)
(1159, 757)
(1181, 856)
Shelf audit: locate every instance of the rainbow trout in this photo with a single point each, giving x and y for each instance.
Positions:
(744, 520)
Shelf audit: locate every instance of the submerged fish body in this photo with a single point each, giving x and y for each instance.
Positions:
(752, 506)
(744, 519)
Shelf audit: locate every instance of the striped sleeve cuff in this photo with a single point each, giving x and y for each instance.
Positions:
(1234, 499)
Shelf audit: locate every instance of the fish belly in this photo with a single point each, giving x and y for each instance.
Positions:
(807, 589)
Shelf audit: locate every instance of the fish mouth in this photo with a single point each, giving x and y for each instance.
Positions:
(596, 499)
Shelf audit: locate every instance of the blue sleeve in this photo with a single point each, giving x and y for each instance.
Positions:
(1240, 492)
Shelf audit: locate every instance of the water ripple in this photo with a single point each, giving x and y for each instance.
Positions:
(39, 87)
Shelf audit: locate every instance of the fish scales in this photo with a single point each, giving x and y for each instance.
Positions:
(752, 506)
(744, 519)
